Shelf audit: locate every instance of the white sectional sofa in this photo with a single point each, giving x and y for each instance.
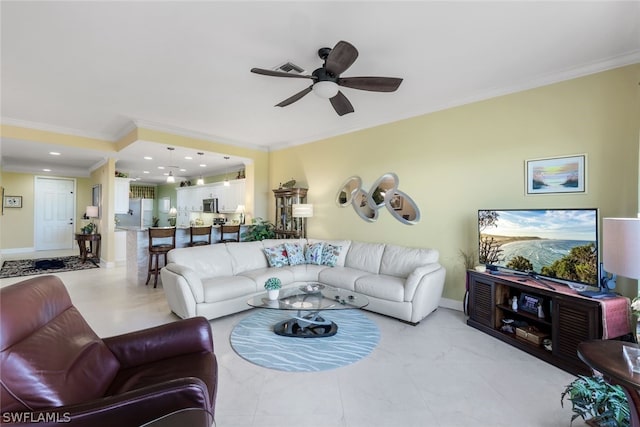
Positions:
(216, 280)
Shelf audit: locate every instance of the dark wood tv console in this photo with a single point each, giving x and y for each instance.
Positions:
(568, 318)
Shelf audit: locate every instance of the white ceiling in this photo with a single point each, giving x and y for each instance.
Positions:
(98, 68)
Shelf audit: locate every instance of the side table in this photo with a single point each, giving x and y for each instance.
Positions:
(606, 357)
(87, 247)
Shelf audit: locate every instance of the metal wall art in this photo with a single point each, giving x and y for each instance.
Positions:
(384, 192)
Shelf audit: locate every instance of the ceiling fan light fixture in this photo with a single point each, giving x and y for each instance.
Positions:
(326, 89)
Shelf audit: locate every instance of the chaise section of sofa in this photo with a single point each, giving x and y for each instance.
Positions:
(216, 280)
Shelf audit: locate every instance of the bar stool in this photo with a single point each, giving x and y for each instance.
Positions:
(200, 231)
(233, 230)
(157, 249)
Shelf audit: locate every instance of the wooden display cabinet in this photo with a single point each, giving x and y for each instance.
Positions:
(568, 319)
(286, 226)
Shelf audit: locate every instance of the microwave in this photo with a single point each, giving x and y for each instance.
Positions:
(210, 205)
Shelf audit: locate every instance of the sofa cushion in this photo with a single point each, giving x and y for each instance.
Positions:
(295, 253)
(227, 287)
(313, 253)
(365, 256)
(306, 272)
(276, 256)
(330, 254)
(260, 276)
(401, 262)
(344, 244)
(206, 261)
(246, 256)
(340, 277)
(388, 288)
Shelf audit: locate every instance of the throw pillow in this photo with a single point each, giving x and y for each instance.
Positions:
(313, 253)
(295, 253)
(330, 254)
(277, 256)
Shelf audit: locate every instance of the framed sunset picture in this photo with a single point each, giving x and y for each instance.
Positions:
(556, 175)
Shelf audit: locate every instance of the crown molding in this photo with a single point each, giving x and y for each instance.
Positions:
(174, 130)
(55, 129)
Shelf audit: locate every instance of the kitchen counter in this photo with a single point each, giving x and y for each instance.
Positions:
(138, 248)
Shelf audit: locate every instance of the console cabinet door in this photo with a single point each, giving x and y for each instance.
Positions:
(481, 302)
(573, 321)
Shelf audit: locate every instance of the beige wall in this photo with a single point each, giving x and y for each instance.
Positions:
(17, 226)
(457, 161)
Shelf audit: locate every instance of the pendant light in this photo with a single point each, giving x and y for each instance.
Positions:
(170, 178)
(200, 180)
(226, 180)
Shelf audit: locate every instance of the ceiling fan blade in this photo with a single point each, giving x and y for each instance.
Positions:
(280, 74)
(341, 57)
(295, 97)
(374, 84)
(341, 104)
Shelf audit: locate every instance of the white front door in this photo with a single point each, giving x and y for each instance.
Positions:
(55, 200)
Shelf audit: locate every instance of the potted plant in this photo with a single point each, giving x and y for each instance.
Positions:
(273, 285)
(259, 229)
(597, 402)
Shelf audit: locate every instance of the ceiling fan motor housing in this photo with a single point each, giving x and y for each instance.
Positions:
(322, 75)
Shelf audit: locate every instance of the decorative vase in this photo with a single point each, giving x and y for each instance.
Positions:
(273, 294)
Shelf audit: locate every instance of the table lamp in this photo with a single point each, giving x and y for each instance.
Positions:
(621, 246)
(240, 210)
(173, 213)
(302, 210)
(91, 212)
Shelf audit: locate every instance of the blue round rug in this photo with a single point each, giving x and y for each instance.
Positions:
(254, 340)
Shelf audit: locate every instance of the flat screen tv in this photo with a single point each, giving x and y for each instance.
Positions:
(559, 244)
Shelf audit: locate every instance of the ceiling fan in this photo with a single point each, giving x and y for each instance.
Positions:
(326, 79)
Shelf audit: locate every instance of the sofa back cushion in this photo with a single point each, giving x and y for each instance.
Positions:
(206, 261)
(49, 355)
(400, 261)
(246, 256)
(365, 256)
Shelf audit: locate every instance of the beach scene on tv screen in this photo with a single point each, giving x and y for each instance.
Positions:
(557, 243)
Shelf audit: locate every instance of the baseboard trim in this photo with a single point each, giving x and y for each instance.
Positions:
(451, 303)
(17, 250)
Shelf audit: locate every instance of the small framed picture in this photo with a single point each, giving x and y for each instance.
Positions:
(556, 175)
(12, 202)
(529, 303)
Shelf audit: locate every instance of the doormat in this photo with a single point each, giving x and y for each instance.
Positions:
(30, 267)
(254, 340)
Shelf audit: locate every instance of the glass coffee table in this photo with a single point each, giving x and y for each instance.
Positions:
(309, 300)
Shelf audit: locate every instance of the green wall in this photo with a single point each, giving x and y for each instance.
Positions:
(457, 161)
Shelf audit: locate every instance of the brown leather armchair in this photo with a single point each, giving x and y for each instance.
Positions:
(54, 369)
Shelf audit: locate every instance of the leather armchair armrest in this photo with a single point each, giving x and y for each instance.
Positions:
(133, 408)
(161, 342)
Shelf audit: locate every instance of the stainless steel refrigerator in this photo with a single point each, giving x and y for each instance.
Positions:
(140, 214)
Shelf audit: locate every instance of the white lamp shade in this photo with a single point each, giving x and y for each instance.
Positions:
(621, 246)
(302, 210)
(240, 209)
(91, 212)
(173, 212)
(326, 89)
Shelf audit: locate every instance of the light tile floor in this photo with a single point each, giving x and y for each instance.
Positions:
(441, 373)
